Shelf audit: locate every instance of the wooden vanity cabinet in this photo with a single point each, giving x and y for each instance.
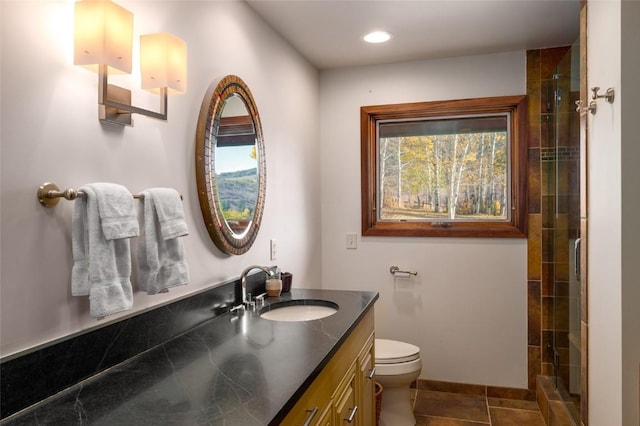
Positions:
(343, 390)
(367, 383)
(345, 400)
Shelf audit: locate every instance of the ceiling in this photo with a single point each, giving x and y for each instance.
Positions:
(329, 32)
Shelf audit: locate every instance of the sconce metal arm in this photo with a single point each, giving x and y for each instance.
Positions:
(115, 102)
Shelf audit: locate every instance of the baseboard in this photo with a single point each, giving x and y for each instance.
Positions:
(475, 389)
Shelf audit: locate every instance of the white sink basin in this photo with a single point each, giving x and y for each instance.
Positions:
(306, 312)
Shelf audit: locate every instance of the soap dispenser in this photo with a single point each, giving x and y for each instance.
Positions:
(273, 285)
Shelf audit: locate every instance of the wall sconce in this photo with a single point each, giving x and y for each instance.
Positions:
(103, 42)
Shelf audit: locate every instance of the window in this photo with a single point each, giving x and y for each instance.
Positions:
(446, 168)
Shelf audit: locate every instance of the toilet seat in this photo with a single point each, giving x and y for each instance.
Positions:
(394, 352)
(411, 368)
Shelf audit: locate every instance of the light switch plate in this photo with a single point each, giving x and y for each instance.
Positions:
(352, 240)
(273, 252)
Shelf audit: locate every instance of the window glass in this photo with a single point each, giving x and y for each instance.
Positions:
(452, 168)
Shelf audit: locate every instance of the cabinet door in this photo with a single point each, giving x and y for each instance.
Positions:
(325, 417)
(367, 388)
(346, 402)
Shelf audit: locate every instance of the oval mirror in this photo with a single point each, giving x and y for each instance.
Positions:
(230, 165)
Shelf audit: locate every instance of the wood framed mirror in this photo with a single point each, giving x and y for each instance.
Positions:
(230, 165)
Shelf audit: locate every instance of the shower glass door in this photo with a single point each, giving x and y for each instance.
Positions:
(565, 122)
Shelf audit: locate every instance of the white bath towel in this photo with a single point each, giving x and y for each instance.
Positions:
(161, 259)
(101, 251)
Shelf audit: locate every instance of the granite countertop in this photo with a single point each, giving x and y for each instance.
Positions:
(236, 369)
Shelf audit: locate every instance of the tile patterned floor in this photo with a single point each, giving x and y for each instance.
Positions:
(433, 408)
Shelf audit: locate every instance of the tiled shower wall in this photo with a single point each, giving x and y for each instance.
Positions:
(552, 223)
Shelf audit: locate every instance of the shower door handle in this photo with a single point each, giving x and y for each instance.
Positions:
(576, 253)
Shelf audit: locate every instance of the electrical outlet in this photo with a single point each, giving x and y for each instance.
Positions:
(352, 240)
(273, 253)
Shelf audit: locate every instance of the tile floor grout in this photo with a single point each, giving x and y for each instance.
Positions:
(460, 409)
(486, 403)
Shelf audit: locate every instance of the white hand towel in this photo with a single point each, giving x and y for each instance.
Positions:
(170, 212)
(102, 265)
(161, 260)
(117, 212)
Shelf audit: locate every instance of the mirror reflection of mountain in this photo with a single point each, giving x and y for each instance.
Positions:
(238, 193)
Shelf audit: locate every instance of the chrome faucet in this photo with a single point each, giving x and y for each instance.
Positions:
(243, 280)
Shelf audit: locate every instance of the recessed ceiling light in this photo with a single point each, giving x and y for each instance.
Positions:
(377, 37)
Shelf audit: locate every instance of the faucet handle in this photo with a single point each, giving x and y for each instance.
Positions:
(260, 299)
(236, 309)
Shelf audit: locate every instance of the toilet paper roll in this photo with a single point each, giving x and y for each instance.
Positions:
(402, 274)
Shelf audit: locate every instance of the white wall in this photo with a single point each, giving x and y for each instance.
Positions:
(604, 219)
(50, 132)
(614, 228)
(467, 308)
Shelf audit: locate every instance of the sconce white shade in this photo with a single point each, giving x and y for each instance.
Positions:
(163, 63)
(103, 35)
(103, 41)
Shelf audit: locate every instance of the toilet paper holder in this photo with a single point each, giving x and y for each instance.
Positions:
(395, 270)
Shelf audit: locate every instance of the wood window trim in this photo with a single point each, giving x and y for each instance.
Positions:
(515, 228)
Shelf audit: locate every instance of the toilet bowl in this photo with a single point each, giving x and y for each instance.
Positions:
(398, 364)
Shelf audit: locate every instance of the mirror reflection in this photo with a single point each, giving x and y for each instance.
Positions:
(236, 165)
(230, 165)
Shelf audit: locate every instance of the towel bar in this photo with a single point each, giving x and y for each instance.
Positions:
(49, 194)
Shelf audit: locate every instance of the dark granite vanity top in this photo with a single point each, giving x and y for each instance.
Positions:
(236, 369)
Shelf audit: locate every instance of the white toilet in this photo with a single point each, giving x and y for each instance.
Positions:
(398, 364)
